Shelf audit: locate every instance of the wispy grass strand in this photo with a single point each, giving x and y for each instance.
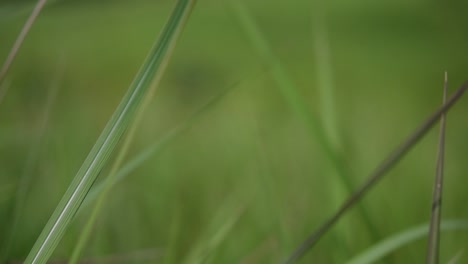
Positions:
(20, 39)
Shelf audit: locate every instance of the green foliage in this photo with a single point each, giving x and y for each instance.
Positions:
(244, 179)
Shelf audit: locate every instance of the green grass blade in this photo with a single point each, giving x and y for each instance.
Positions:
(108, 183)
(456, 258)
(324, 75)
(149, 75)
(388, 163)
(387, 246)
(114, 175)
(329, 144)
(19, 40)
(432, 256)
(284, 82)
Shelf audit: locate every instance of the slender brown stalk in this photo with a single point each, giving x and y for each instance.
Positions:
(392, 159)
(432, 256)
(19, 40)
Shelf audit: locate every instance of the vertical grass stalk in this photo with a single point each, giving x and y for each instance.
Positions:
(149, 75)
(432, 256)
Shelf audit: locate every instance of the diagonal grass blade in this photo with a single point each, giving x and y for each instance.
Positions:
(149, 75)
(19, 40)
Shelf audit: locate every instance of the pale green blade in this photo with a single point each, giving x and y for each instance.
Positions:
(392, 243)
(148, 75)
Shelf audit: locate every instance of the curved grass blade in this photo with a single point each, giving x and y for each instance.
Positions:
(19, 40)
(388, 163)
(150, 74)
(432, 256)
(387, 246)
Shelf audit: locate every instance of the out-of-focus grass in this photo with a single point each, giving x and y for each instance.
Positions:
(388, 60)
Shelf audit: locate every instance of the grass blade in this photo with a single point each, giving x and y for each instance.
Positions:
(102, 190)
(284, 82)
(387, 246)
(108, 183)
(433, 242)
(329, 143)
(19, 40)
(456, 259)
(325, 80)
(149, 75)
(392, 159)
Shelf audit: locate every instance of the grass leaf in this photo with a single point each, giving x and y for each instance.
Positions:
(388, 245)
(150, 73)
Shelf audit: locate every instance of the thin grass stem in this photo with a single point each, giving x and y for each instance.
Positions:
(19, 40)
(432, 256)
(393, 158)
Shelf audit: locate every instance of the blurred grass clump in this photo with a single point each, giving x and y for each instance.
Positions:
(243, 180)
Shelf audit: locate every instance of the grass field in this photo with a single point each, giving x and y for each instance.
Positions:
(244, 115)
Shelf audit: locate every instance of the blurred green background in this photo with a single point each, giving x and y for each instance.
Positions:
(249, 158)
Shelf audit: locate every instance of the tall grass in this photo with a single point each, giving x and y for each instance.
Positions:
(148, 76)
(217, 235)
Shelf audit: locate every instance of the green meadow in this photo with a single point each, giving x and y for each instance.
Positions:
(267, 117)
